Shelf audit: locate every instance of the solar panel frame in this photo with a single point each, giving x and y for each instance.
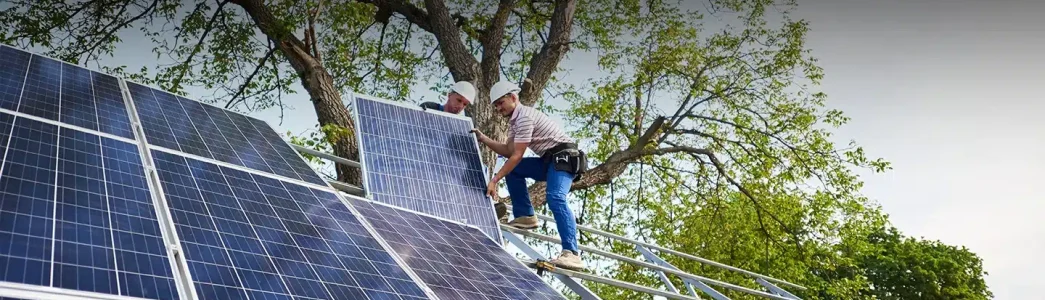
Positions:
(367, 187)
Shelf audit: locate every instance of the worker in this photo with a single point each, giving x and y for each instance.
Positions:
(461, 94)
(559, 165)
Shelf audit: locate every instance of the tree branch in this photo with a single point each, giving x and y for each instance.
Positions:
(409, 11)
(547, 60)
(459, 60)
(199, 44)
(492, 42)
(312, 31)
(243, 87)
(108, 35)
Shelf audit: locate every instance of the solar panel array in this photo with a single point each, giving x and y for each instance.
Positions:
(75, 207)
(246, 234)
(424, 162)
(455, 260)
(203, 203)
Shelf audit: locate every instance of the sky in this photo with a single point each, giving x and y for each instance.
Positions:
(943, 89)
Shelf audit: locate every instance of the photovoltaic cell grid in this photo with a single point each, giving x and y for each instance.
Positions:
(456, 261)
(245, 234)
(47, 88)
(177, 123)
(76, 213)
(424, 162)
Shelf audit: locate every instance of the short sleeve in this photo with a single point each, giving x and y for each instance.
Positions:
(523, 129)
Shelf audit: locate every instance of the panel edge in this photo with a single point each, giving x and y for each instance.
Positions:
(179, 264)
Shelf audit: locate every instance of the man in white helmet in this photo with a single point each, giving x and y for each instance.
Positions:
(461, 95)
(560, 163)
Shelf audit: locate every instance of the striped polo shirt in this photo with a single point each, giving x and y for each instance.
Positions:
(529, 125)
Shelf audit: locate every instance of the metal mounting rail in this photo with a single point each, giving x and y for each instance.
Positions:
(647, 265)
(690, 283)
(616, 283)
(327, 156)
(347, 188)
(674, 252)
(577, 287)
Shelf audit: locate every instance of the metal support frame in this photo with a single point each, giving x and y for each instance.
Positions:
(775, 289)
(347, 188)
(689, 282)
(636, 262)
(674, 252)
(327, 156)
(616, 283)
(577, 287)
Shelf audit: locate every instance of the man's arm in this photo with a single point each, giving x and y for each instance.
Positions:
(500, 148)
(513, 160)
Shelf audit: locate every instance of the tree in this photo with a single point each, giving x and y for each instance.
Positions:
(901, 267)
(705, 136)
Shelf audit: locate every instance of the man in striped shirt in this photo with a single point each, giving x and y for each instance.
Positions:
(530, 128)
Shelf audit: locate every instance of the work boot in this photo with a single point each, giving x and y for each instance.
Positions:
(524, 223)
(568, 260)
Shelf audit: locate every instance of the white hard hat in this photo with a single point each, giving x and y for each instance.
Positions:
(466, 89)
(502, 88)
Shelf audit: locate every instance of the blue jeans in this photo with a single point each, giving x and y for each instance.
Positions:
(559, 183)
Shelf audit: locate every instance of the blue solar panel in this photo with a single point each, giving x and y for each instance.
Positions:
(13, 65)
(189, 126)
(77, 107)
(424, 162)
(455, 260)
(108, 101)
(245, 234)
(47, 88)
(76, 213)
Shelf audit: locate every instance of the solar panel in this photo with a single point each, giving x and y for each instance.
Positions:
(52, 90)
(245, 234)
(424, 162)
(180, 124)
(453, 259)
(76, 213)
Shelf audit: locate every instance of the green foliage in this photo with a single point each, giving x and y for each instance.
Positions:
(321, 140)
(901, 267)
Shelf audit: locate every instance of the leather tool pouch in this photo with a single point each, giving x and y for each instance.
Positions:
(567, 157)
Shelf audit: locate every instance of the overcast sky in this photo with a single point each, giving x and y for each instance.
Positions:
(944, 90)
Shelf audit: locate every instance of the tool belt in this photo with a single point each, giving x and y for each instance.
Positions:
(567, 157)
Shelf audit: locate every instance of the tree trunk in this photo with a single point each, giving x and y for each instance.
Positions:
(317, 81)
(329, 109)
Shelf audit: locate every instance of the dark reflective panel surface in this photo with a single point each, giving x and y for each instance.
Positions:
(456, 261)
(424, 162)
(76, 213)
(249, 235)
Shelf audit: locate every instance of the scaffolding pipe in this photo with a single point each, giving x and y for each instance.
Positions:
(613, 282)
(622, 258)
(662, 249)
(327, 156)
(347, 188)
